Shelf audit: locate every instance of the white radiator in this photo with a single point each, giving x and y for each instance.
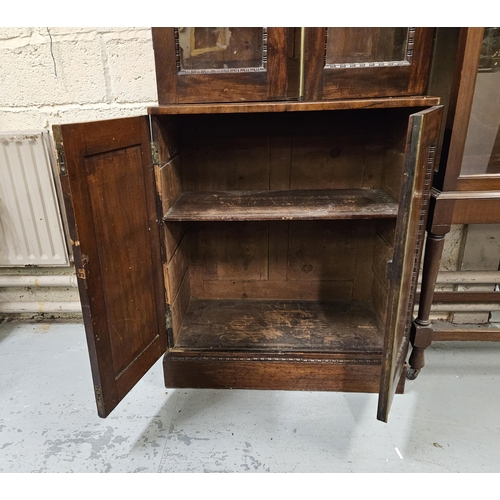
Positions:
(31, 226)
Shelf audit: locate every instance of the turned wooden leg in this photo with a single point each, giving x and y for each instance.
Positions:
(421, 331)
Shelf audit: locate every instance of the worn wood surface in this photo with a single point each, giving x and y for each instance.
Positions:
(323, 82)
(334, 150)
(283, 205)
(110, 197)
(314, 260)
(465, 297)
(176, 269)
(485, 182)
(165, 134)
(462, 95)
(444, 330)
(382, 255)
(279, 289)
(476, 211)
(299, 371)
(198, 372)
(365, 45)
(279, 107)
(259, 83)
(423, 131)
(235, 250)
(179, 306)
(280, 325)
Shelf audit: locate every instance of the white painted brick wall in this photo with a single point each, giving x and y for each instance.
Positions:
(101, 73)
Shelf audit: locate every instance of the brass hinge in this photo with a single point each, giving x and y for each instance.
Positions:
(61, 158)
(81, 274)
(155, 156)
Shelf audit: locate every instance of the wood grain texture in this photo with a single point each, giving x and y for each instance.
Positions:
(235, 251)
(444, 330)
(323, 250)
(462, 94)
(282, 205)
(179, 306)
(314, 260)
(220, 373)
(278, 289)
(123, 297)
(165, 64)
(485, 182)
(290, 371)
(476, 211)
(255, 84)
(176, 269)
(423, 131)
(170, 183)
(165, 132)
(323, 82)
(465, 297)
(280, 325)
(280, 107)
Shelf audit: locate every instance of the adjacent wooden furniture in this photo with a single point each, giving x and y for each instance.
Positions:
(466, 187)
(262, 244)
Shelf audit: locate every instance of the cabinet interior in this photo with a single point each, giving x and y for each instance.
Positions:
(278, 227)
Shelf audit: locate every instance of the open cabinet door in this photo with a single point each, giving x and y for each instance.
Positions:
(423, 130)
(109, 189)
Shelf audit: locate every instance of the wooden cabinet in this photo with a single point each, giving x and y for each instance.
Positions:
(195, 65)
(466, 187)
(258, 245)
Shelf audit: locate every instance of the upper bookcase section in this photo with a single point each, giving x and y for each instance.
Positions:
(207, 65)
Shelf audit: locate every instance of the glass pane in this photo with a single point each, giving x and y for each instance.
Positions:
(366, 45)
(482, 146)
(223, 49)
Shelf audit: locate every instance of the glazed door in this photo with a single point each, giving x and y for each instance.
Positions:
(473, 161)
(423, 131)
(365, 62)
(109, 189)
(196, 65)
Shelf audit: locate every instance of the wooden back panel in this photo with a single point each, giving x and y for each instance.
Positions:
(318, 260)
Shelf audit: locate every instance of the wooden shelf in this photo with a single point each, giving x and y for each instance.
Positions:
(274, 325)
(291, 106)
(282, 205)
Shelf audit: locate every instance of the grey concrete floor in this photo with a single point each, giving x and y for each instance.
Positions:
(448, 420)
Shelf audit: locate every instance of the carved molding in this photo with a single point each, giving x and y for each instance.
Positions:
(431, 157)
(211, 71)
(320, 361)
(376, 64)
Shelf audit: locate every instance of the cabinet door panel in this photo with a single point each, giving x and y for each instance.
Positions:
(109, 196)
(420, 151)
(196, 65)
(366, 62)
